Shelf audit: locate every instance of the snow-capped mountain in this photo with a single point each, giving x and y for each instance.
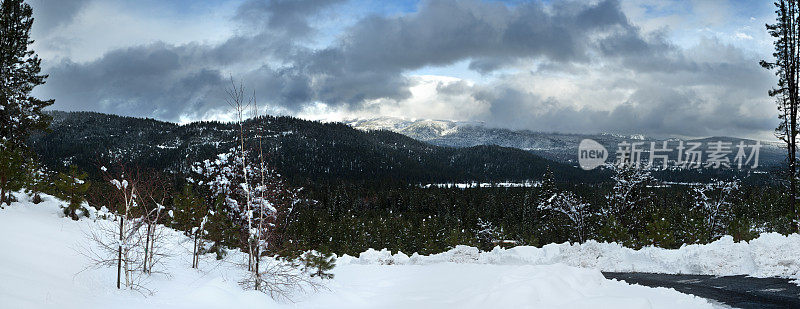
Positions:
(556, 146)
(423, 129)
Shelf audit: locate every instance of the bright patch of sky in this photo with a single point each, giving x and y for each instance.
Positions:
(101, 26)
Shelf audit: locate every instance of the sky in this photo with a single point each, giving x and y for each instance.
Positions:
(653, 67)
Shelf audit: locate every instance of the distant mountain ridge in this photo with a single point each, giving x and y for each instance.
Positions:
(561, 147)
(306, 151)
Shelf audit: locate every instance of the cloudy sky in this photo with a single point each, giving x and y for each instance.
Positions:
(656, 67)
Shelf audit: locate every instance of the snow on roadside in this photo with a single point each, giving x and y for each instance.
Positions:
(770, 255)
(41, 266)
(451, 285)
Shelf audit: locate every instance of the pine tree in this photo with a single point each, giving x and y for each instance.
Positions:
(786, 64)
(548, 187)
(12, 174)
(715, 202)
(319, 264)
(657, 232)
(571, 207)
(192, 215)
(534, 220)
(613, 231)
(20, 113)
(741, 229)
(487, 234)
(39, 179)
(631, 198)
(72, 187)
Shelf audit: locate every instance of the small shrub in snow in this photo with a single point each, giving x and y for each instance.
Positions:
(72, 187)
(217, 249)
(318, 264)
(132, 241)
(37, 198)
(487, 234)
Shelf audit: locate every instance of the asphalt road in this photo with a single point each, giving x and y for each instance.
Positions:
(734, 291)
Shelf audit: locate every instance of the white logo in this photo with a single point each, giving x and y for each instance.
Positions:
(591, 154)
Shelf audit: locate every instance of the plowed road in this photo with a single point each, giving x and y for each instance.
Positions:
(734, 291)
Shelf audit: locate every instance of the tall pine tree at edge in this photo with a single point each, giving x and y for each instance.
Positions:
(20, 72)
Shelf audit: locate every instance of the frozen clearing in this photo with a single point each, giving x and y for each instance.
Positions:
(41, 266)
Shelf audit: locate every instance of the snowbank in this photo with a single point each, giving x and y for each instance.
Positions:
(770, 255)
(42, 266)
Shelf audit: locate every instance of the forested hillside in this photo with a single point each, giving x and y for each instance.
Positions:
(299, 149)
(363, 187)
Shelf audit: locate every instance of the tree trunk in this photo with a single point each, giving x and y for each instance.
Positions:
(793, 185)
(152, 248)
(794, 102)
(194, 251)
(258, 274)
(119, 253)
(146, 247)
(249, 254)
(2, 190)
(127, 269)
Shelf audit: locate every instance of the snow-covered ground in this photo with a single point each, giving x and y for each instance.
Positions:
(42, 266)
(769, 255)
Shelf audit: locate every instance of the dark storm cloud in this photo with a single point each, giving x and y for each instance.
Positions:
(367, 63)
(168, 81)
(447, 31)
(651, 110)
(288, 16)
(50, 14)
(701, 95)
(370, 59)
(670, 86)
(156, 80)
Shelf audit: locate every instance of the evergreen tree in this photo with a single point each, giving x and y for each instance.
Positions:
(319, 264)
(631, 199)
(715, 202)
(487, 235)
(548, 187)
(742, 229)
(536, 221)
(657, 232)
(570, 206)
(786, 64)
(12, 174)
(72, 187)
(192, 216)
(20, 113)
(38, 180)
(613, 231)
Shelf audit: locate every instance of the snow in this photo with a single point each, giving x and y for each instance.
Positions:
(42, 266)
(453, 285)
(770, 255)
